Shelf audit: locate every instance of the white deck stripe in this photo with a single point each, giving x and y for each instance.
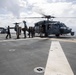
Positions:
(64, 40)
(57, 63)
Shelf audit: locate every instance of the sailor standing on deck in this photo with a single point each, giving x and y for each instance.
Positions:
(25, 28)
(31, 32)
(17, 31)
(8, 33)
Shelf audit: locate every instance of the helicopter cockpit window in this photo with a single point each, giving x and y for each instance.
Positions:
(57, 25)
(62, 25)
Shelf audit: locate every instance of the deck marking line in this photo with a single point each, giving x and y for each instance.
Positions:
(8, 40)
(70, 40)
(57, 63)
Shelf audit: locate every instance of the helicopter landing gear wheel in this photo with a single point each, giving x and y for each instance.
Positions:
(46, 35)
(41, 35)
(72, 33)
(57, 35)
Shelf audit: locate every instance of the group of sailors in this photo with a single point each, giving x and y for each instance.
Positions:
(18, 29)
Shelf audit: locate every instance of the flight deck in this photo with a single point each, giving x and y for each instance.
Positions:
(31, 56)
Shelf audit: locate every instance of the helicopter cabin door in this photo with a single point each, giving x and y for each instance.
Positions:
(49, 28)
(53, 29)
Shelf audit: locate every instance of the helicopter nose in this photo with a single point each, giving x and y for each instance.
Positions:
(70, 30)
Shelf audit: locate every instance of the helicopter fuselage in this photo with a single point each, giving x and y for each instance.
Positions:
(52, 27)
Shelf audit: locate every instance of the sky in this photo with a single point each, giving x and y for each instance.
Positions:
(16, 10)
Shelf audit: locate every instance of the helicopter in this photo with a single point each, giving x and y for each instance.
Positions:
(49, 27)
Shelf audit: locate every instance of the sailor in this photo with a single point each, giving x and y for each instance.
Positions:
(32, 32)
(41, 30)
(24, 29)
(17, 29)
(8, 33)
(29, 32)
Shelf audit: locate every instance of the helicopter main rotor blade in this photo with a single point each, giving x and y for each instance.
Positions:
(65, 17)
(42, 14)
(46, 16)
(49, 16)
(31, 17)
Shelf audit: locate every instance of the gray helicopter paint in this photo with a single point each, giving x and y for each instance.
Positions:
(52, 27)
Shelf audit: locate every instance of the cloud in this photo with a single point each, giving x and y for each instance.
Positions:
(24, 8)
(12, 6)
(61, 1)
(36, 1)
(59, 9)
